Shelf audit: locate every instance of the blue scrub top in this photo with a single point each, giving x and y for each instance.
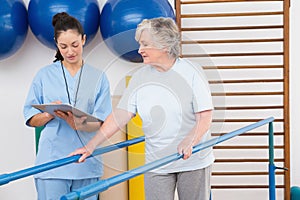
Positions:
(58, 139)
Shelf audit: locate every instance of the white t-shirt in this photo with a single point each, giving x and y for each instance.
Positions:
(167, 103)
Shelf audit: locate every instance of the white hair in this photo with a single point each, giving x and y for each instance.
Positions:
(164, 32)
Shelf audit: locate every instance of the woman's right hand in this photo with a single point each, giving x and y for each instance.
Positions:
(40, 119)
(43, 118)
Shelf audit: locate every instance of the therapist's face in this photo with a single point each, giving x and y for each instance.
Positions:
(70, 44)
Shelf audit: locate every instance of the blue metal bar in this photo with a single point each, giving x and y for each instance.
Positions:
(6, 178)
(102, 185)
(272, 167)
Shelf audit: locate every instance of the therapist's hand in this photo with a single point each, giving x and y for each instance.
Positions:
(85, 151)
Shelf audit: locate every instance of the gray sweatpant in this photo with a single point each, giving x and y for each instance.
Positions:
(191, 185)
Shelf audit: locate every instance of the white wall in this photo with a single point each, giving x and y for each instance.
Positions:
(17, 145)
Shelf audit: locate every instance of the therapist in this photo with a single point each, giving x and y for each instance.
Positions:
(67, 80)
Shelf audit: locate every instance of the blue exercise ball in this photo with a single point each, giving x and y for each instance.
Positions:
(295, 193)
(13, 26)
(119, 19)
(40, 13)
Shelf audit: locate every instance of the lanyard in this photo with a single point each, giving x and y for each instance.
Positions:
(67, 87)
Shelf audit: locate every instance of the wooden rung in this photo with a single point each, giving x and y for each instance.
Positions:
(251, 134)
(243, 120)
(222, 1)
(232, 41)
(233, 54)
(244, 186)
(245, 81)
(244, 173)
(224, 160)
(231, 14)
(248, 147)
(248, 107)
(231, 28)
(246, 93)
(244, 67)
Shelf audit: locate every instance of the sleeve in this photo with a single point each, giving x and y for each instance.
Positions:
(34, 96)
(202, 99)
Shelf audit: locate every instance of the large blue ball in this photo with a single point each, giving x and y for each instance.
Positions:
(13, 26)
(40, 13)
(119, 19)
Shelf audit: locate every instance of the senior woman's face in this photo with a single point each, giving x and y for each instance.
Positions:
(150, 53)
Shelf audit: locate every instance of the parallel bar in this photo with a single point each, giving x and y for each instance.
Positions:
(103, 185)
(272, 187)
(6, 178)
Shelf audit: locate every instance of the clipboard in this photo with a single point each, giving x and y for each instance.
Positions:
(51, 108)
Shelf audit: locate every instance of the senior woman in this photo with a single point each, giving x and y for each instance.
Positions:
(173, 99)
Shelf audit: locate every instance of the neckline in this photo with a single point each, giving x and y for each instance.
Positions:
(154, 70)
